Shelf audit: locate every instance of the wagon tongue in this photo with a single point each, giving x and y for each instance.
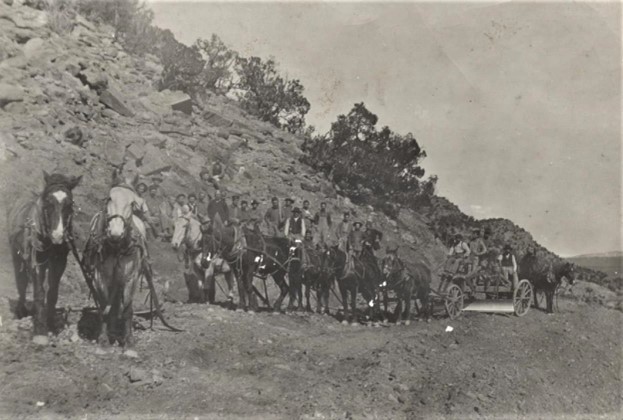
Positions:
(498, 306)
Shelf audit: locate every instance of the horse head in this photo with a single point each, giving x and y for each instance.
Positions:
(294, 251)
(567, 270)
(119, 210)
(57, 206)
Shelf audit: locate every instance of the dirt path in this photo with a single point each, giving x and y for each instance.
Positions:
(234, 364)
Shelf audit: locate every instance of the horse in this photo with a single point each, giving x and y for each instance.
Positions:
(363, 277)
(545, 277)
(407, 284)
(40, 228)
(305, 270)
(200, 271)
(115, 258)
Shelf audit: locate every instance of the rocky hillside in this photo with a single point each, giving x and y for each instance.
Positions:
(79, 104)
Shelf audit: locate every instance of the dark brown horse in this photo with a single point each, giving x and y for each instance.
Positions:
(546, 277)
(363, 277)
(39, 230)
(306, 270)
(407, 284)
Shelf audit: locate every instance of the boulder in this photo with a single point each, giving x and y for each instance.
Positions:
(10, 93)
(216, 120)
(154, 161)
(183, 104)
(310, 187)
(115, 101)
(93, 78)
(33, 48)
(75, 136)
(24, 18)
(222, 133)
(136, 151)
(114, 152)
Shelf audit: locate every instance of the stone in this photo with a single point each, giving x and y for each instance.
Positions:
(75, 136)
(153, 162)
(137, 374)
(224, 134)
(114, 100)
(215, 119)
(41, 340)
(34, 48)
(10, 93)
(310, 187)
(183, 104)
(408, 237)
(136, 151)
(131, 354)
(96, 80)
(114, 152)
(25, 18)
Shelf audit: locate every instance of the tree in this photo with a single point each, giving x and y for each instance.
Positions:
(264, 93)
(368, 163)
(220, 61)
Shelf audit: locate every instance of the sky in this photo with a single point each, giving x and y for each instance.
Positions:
(518, 105)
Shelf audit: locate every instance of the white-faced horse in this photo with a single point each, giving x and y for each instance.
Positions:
(39, 231)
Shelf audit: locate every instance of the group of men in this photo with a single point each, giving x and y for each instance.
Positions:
(287, 220)
(471, 256)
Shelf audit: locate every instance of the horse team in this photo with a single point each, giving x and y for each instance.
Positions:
(115, 259)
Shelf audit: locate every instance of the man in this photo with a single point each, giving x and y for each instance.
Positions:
(217, 171)
(286, 213)
(307, 213)
(218, 206)
(141, 189)
(192, 203)
(477, 250)
(202, 204)
(255, 216)
(167, 217)
(208, 183)
(295, 230)
(308, 241)
(234, 211)
(354, 246)
(153, 203)
(177, 207)
(459, 252)
(509, 265)
(273, 217)
(342, 231)
(244, 215)
(322, 219)
(156, 181)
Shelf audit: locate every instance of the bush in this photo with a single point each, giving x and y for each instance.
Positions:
(61, 15)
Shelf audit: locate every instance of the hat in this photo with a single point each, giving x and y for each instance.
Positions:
(141, 183)
(153, 187)
(507, 247)
(255, 201)
(204, 171)
(244, 202)
(290, 200)
(358, 223)
(296, 210)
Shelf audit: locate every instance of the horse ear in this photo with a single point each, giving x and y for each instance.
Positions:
(46, 177)
(73, 183)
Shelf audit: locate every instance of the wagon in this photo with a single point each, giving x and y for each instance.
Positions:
(486, 290)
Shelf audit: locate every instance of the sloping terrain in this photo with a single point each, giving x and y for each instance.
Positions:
(79, 104)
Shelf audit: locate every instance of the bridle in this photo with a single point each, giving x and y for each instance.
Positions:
(45, 232)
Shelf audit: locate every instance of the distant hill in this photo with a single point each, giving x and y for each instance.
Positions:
(610, 263)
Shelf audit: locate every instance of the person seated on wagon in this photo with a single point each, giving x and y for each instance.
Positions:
(509, 265)
(478, 249)
(459, 253)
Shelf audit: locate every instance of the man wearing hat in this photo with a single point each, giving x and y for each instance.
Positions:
(243, 213)
(141, 189)
(218, 206)
(509, 265)
(273, 217)
(295, 228)
(342, 231)
(156, 181)
(322, 219)
(255, 215)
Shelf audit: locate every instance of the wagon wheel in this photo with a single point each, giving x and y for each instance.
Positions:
(522, 297)
(454, 301)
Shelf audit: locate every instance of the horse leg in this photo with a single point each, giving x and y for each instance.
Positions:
(344, 294)
(407, 299)
(307, 293)
(353, 303)
(320, 294)
(21, 281)
(292, 290)
(279, 278)
(55, 273)
(251, 297)
(550, 301)
(132, 275)
(534, 294)
(229, 279)
(40, 326)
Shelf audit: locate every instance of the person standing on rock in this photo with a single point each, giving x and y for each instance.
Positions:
(273, 218)
(509, 265)
(208, 184)
(234, 210)
(342, 231)
(309, 218)
(219, 207)
(478, 250)
(244, 214)
(354, 245)
(141, 189)
(153, 203)
(322, 220)
(167, 217)
(202, 204)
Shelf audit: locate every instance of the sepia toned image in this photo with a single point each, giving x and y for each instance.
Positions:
(310, 209)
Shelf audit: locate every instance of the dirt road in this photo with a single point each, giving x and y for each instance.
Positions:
(240, 365)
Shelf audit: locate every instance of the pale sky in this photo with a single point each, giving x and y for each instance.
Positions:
(518, 105)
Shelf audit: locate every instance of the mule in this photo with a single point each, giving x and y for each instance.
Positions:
(407, 285)
(545, 277)
(200, 269)
(305, 271)
(115, 256)
(39, 230)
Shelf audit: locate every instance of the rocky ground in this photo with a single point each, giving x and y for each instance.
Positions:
(78, 104)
